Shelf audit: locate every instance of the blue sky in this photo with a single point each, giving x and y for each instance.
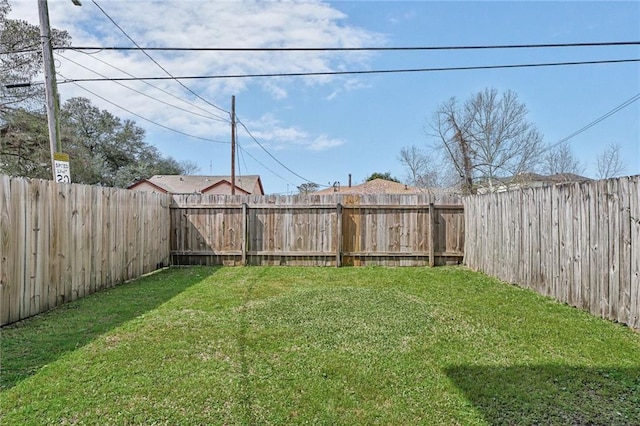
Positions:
(324, 128)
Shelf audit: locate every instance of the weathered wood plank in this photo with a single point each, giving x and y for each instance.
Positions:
(634, 222)
(577, 243)
(6, 251)
(584, 281)
(613, 205)
(287, 225)
(64, 243)
(18, 244)
(624, 293)
(575, 289)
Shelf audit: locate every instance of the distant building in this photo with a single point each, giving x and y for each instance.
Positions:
(375, 186)
(527, 180)
(208, 185)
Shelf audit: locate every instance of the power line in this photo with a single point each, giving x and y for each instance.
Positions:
(361, 49)
(238, 156)
(216, 118)
(597, 120)
(156, 62)
(144, 118)
(341, 49)
(166, 92)
(240, 148)
(387, 71)
(269, 154)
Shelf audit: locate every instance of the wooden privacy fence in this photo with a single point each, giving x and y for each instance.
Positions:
(578, 243)
(60, 242)
(313, 230)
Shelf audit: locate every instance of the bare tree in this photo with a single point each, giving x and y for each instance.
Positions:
(487, 137)
(561, 159)
(189, 167)
(421, 167)
(609, 163)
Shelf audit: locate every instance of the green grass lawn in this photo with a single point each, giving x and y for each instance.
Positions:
(282, 345)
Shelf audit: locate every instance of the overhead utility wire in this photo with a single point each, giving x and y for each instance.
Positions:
(142, 93)
(156, 62)
(338, 49)
(360, 49)
(239, 168)
(597, 120)
(268, 153)
(388, 71)
(144, 118)
(158, 88)
(262, 164)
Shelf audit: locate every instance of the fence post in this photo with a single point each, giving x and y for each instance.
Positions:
(432, 239)
(338, 235)
(244, 234)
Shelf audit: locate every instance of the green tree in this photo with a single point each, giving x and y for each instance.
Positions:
(24, 141)
(385, 176)
(24, 144)
(109, 151)
(103, 149)
(21, 60)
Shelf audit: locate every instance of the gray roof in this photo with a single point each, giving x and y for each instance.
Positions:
(185, 184)
(375, 186)
(535, 177)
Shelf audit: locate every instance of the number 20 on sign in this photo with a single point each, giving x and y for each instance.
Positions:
(61, 167)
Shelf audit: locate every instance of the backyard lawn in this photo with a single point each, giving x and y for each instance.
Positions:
(285, 345)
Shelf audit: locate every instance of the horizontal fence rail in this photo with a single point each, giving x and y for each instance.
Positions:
(578, 243)
(61, 242)
(332, 230)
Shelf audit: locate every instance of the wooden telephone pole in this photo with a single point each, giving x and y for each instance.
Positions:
(233, 145)
(59, 160)
(51, 89)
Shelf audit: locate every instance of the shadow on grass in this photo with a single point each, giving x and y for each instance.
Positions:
(551, 394)
(246, 395)
(33, 343)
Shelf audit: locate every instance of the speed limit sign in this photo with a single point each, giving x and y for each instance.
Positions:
(61, 167)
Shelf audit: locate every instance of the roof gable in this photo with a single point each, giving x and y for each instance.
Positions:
(145, 181)
(187, 184)
(224, 182)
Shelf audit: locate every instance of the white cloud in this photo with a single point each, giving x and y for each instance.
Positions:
(273, 134)
(202, 23)
(332, 95)
(323, 142)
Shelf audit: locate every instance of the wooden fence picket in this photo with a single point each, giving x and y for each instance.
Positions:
(60, 242)
(579, 243)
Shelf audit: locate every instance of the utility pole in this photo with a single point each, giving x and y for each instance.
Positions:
(59, 160)
(233, 145)
(51, 89)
